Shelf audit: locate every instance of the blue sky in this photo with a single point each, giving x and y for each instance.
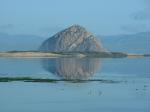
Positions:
(46, 17)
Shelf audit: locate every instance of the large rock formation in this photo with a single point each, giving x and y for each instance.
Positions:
(74, 38)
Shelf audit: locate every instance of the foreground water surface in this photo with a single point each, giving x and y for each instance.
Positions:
(119, 85)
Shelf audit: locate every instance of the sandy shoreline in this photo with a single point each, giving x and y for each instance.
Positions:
(37, 55)
(29, 54)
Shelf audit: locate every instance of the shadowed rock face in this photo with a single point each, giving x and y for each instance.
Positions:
(74, 38)
(72, 68)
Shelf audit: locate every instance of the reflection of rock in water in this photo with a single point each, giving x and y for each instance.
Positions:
(72, 68)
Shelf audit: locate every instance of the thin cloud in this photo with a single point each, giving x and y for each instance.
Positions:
(143, 14)
(6, 26)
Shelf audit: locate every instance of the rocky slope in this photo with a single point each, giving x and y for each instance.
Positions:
(74, 38)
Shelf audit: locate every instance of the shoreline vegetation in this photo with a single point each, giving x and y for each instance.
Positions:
(42, 80)
(40, 54)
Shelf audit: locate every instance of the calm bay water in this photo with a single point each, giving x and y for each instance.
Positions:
(124, 85)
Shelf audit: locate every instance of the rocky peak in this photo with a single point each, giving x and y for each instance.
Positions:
(74, 38)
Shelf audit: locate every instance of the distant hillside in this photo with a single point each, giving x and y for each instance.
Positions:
(135, 43)
(19, 42)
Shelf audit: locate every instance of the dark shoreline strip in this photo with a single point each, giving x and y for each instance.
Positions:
(29, 79)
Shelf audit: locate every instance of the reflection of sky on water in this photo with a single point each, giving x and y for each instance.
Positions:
(131, 95)
(77, 68)
(72, 68)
